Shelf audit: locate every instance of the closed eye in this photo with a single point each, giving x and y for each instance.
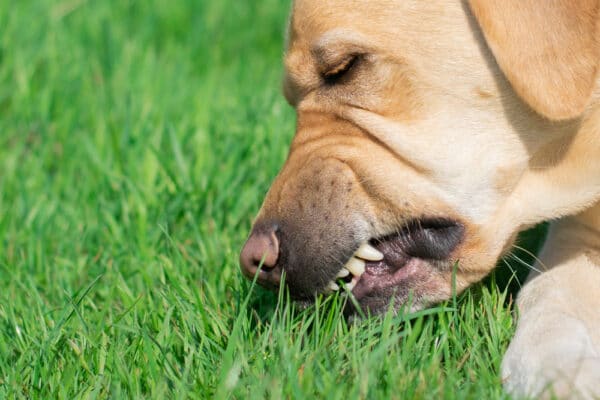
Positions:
(340, 70)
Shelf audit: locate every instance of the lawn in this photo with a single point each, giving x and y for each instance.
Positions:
(137, 139)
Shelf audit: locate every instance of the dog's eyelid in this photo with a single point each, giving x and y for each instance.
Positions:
(328, 54)
(335, 71)
(343, 63)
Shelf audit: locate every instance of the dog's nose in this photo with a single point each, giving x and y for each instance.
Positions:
(261, 251)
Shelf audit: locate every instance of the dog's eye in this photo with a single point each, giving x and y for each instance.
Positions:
(340, 70)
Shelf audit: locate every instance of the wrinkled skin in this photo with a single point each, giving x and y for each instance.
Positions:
(420, 124)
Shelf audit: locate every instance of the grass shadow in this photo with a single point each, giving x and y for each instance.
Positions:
(512, 271)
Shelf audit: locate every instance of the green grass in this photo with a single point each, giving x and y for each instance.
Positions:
(137, 139)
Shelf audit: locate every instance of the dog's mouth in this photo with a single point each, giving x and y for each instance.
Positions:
(389, 261)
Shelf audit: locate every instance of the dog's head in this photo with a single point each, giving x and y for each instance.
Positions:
(428, 134)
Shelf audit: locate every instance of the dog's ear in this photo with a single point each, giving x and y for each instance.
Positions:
(548, 50)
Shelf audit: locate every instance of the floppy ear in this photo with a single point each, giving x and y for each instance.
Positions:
(548, 50)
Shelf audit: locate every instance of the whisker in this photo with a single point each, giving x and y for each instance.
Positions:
(514, 272)
(529, 253)
(524, 263)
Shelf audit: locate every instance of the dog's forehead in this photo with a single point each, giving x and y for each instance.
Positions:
(315, 23)
(311, 18)
(435, 36)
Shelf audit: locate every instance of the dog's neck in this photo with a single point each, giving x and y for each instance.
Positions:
(590, 218)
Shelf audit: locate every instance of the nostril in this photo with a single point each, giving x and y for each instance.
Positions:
(261, 247)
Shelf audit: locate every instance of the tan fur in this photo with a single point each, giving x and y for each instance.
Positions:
(556, 349)
(488, 115)
(548, 50)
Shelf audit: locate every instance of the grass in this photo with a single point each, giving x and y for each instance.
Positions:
(137, 140)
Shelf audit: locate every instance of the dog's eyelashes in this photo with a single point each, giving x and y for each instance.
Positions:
(340, 70)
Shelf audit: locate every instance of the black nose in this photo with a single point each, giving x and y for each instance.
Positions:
(262, 251)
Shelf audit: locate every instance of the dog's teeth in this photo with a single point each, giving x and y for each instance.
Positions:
(333, 286)
(369, 253)
(355, 266)
(343, 273)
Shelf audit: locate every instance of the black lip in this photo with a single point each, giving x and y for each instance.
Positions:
(427, 238)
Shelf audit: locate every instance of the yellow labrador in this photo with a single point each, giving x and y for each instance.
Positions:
(432, 132)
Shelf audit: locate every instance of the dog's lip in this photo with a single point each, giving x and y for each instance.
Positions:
(380, 276)
(391, 259)
(377, 274)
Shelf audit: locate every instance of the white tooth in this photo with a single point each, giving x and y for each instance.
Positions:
(355, 266)
(343, 273)
(333, 286)
(369, 253)
(349, 286)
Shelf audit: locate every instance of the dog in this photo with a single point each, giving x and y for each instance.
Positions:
(429, 133)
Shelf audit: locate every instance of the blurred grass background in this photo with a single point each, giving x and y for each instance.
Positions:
(137, 140)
